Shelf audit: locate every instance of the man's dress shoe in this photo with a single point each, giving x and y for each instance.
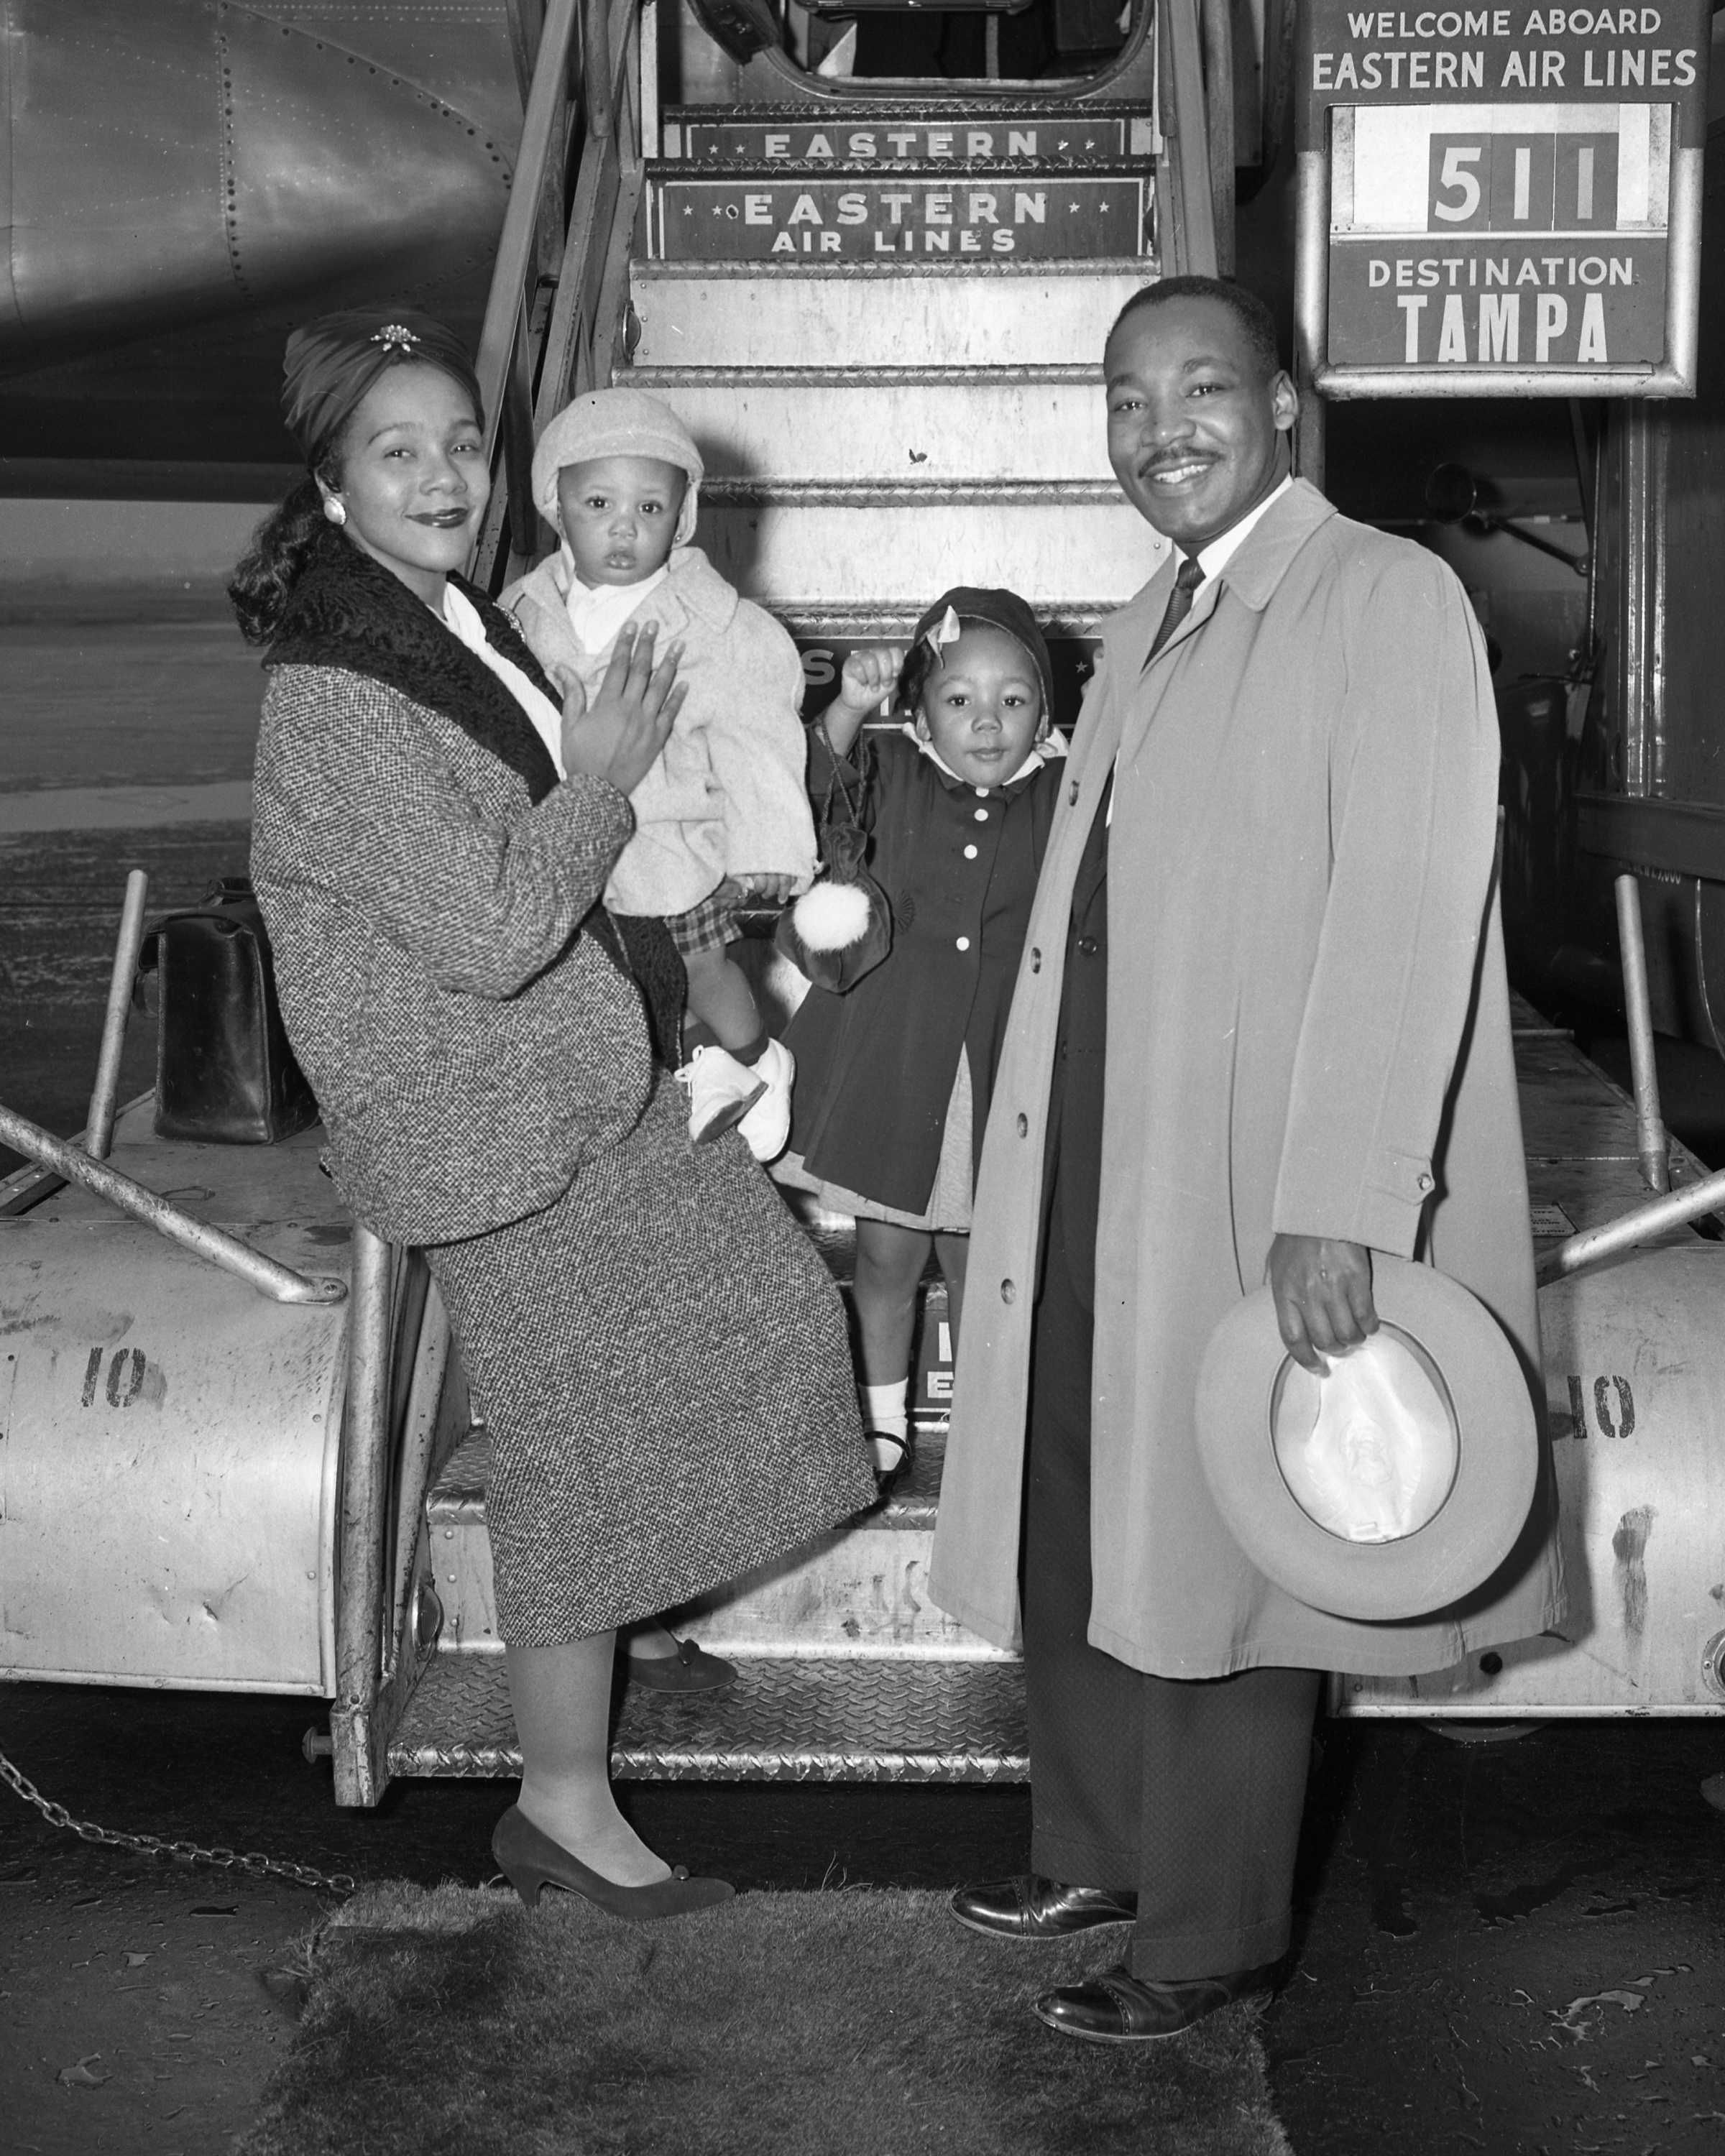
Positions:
(1033, 1907)
(1119, 2008)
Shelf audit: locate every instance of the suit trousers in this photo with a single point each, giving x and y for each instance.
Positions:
(1190, 1791)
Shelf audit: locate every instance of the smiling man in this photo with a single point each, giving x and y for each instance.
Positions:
(1261, 1031)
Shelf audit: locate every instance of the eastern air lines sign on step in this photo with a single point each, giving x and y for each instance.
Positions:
(979, 215)
(1501, 197)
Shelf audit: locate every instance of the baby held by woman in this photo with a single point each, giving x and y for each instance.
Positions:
(724, 813)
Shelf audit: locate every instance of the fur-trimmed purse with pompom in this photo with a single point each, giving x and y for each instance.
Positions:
(841, 928)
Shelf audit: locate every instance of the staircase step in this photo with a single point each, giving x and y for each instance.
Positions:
(809, 549)
(927, 423)
(785, 1720)
(859, 139)
(995, 314)
(914, 214)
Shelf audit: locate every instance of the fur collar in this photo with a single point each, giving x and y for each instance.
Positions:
(349, 611)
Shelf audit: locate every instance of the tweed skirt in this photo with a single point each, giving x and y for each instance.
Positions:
(662, 1361)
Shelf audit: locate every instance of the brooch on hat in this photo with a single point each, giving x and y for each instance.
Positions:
(396, 336)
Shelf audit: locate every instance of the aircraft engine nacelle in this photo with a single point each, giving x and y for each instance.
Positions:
(169, 162)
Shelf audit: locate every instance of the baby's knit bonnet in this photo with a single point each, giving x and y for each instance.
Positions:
(615, 422)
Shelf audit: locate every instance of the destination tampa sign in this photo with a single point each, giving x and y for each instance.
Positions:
(1498, 199)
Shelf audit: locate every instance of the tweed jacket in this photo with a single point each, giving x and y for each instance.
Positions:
(726, 798)
(470, 1047)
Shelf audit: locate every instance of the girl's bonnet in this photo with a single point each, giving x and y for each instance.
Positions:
(941, 624)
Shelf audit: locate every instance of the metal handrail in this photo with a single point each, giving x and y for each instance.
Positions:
(533, 354)
(1630, 1230)
(547, 106)
(215, 1245)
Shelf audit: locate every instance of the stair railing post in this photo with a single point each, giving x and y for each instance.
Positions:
(597, 75)
(99, 1125)
(1216, 25)
(1189, 161)
(362, 1525)
(1651, 1139)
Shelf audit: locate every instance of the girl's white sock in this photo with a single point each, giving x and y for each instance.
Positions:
(885, 1410)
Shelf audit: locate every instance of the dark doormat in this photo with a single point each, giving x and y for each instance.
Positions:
(856, 2023)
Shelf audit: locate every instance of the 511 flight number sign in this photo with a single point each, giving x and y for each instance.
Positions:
(1501, 200)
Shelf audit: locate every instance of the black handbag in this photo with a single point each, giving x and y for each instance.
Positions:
(224, 1073)
(841, 928)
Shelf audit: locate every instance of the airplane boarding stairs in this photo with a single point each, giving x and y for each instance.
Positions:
(885, 410)
(882, 318)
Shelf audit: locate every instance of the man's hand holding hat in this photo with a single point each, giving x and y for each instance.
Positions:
(1322, 1292)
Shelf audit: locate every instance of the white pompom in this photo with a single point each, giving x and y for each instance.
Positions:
(831, 916)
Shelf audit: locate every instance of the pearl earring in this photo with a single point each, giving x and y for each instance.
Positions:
(333, 510)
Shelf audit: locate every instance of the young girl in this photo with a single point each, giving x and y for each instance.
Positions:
(893, 1078)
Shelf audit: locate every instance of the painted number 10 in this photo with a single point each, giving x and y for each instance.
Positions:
(124, 1379)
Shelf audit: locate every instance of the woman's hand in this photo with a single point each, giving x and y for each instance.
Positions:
(870, 677)
(620, 735)
(1323, 1290)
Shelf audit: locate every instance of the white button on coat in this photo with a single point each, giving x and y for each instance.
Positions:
(970, 853)
(963, 942)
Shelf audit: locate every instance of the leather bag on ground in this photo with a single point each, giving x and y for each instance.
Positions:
(224, 1072)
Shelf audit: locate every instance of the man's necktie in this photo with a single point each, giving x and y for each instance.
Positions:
(1179, 603)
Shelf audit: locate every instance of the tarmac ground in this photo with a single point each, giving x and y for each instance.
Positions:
(1508, 1946)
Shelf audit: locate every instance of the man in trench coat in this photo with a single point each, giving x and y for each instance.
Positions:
(1261, 1029)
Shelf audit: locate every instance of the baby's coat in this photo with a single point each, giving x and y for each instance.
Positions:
(727, 796)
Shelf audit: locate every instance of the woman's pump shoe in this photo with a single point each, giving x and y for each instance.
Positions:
(532, 1860)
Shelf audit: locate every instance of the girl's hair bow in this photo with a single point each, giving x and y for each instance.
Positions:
(947, 630)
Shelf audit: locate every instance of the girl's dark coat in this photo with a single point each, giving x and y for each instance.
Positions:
(875, 1066)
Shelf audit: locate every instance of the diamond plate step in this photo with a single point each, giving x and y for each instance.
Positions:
(783, 1721)
(818, 138)
(992, 314)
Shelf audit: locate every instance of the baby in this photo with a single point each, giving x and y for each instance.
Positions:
(724, 812)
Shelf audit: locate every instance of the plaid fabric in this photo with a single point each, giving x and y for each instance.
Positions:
(710, 926)
(661, 1360)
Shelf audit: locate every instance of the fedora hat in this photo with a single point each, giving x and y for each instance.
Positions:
(1393, 1486)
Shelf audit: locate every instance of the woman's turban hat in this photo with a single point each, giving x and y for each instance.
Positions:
(330, 364)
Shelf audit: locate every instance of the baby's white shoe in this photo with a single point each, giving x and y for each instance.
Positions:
(766, 1126)
(721, 1091)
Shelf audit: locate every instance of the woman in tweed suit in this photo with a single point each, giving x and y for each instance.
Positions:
(660, 1358)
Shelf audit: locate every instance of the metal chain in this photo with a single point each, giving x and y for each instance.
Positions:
(183, 1852)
